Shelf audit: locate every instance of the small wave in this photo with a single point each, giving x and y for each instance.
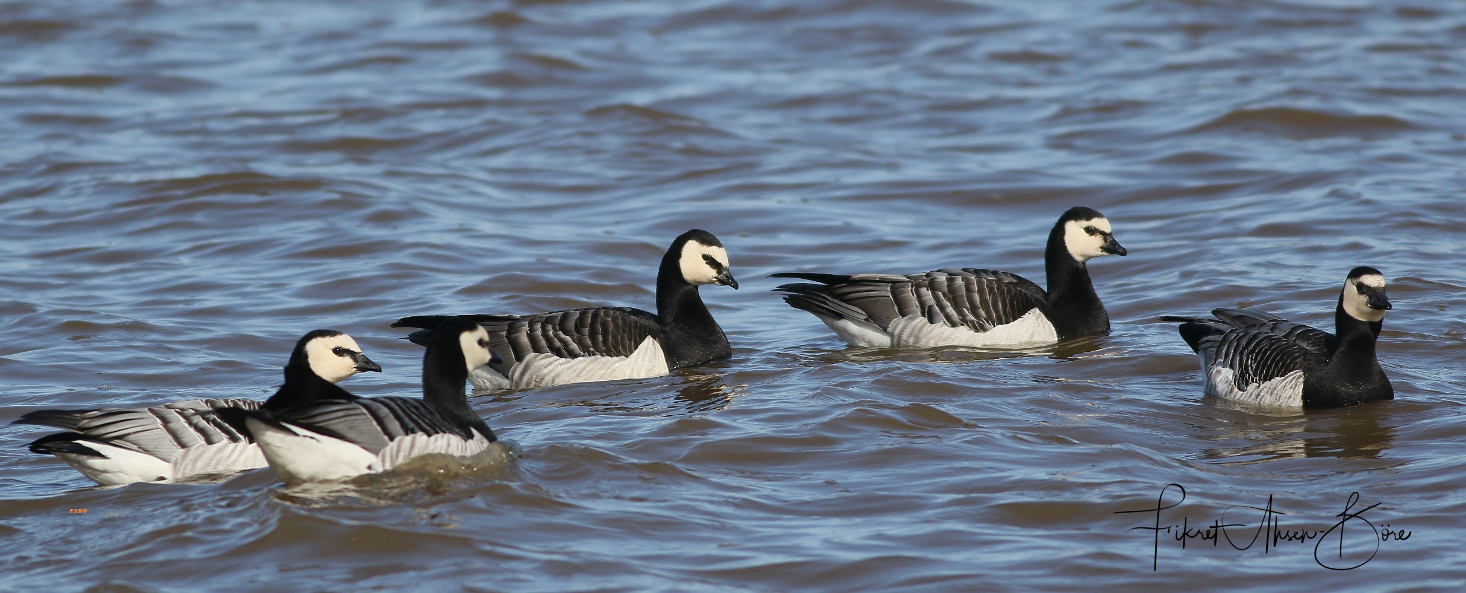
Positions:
(379, 61)
(1304, 123)
(347, 145)
(236, 182)
(143, 82)
(84, 81)
(66, 120)
(1027, 56)
(501, 19)
(37, 30)
(549, 61)
(638, 112)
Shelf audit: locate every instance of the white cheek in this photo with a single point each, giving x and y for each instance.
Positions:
(1356, 306)
(1082, 246)
(474, 355)
(1372, 280)
(338, 370)
(695, 270)
(325, 363)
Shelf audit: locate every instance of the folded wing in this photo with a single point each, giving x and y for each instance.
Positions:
(371, 423)
(160, 431)
(573, 333)
(973, 298)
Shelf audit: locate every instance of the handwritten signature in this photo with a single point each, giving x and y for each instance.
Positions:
(1364, 537)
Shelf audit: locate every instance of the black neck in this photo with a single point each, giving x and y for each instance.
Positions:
(444, 375)
(1074, 307)
(1353, 365)
(1354, 357)
(303, 386)
(690, 334)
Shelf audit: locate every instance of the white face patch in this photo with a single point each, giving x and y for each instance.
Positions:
(475, 345)
(1084, 246)
(695, 269)
(325, 362)
(1357, 305)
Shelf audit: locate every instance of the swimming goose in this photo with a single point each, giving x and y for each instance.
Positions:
(1254, 357)
(340, 438)
(969, 307)
(186, 440)
(608, 343)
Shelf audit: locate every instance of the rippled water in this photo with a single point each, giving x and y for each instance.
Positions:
(188, 187)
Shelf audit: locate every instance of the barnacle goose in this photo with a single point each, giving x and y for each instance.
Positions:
(347, 436)
(968, 307)
(1254, 357)
(608, 343)
(186, 439)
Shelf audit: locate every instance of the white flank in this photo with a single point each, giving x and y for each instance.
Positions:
(485, 378)
(218, 458)
(1283, 392)
(118, 466)
(299, 455)
(858, 334)
(413, 446)
(543, 370)
(1032, 329)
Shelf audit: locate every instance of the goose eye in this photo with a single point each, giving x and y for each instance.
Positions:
(1091, 230)
(712, 263)
(340, 351)
(482, 343)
